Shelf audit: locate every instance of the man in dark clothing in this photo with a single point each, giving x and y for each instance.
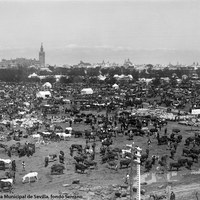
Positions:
(93, 146)
(172, 152)
(172, 196)
(165, 131)
(13, 164)
(9, 153)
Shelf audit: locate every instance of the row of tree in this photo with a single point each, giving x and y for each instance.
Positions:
(21, 73)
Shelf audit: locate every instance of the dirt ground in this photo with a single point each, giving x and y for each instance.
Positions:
(100, 183)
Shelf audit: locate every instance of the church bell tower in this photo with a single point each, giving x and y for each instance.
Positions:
(42, 56)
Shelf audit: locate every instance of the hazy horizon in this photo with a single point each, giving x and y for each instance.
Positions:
(145, 31)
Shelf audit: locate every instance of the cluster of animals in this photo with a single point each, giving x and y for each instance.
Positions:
(102, 130)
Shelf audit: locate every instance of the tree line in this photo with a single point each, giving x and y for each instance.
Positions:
(71, 75)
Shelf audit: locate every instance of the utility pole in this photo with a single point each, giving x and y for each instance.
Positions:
(138, 155)
(137, 161)
(131, 171)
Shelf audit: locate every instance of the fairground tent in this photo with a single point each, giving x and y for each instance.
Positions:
(43, 94)
(115, 86)
(47, 85)
(87, 91)
(32, 75)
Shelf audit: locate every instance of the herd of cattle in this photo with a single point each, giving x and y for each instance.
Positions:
(102, 130)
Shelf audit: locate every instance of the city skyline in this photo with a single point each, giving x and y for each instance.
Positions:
(146, 31)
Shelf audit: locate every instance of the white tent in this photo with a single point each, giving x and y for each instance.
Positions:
(101, 78)
(87, 91)
(45, 69)
(32, 75)
(130, 76)
(43, 94)
(115, 86)
(47, 85)
(116, 76)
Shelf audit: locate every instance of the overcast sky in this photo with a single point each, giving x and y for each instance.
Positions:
(146, 31)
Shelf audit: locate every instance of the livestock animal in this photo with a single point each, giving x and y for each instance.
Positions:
(36, 136)
(78, 159)
(61, 158)
(77, 120)
(89, 163)
(29, 176)
(124, 151)
(10, 180)
(57, 168)
(144, 157)
(5, 185)
(107, 158)
(112, 165)
(186, 152)
(107, 142)
(78, 134)
(10, 175)
(195, 151)
(5, 163)
(52, 157)
(183, 161)
(5, 147)
(162, 140)
(76, 146)
(81, 167)
(125, 162)
(89, 151)
(58, 127)
(64, 135)
(176, 165)
(148, 165)
(193, 156)
(157, 197)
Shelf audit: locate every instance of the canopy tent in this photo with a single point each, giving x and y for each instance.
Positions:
(87, 91)
(101, 78)
(32, 75)
(115, 86)
(47, 85)
(43, 94)
(45, 69)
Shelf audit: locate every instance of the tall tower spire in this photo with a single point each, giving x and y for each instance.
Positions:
(41, 48)
(42, 56)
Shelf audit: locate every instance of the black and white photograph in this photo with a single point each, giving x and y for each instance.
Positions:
(100, 99)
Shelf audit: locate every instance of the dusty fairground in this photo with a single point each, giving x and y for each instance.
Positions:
(101, 182)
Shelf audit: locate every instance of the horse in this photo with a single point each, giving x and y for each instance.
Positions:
(64, 135)
(58, 127)
(29, 176)
(10, 175)
(10, 180)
